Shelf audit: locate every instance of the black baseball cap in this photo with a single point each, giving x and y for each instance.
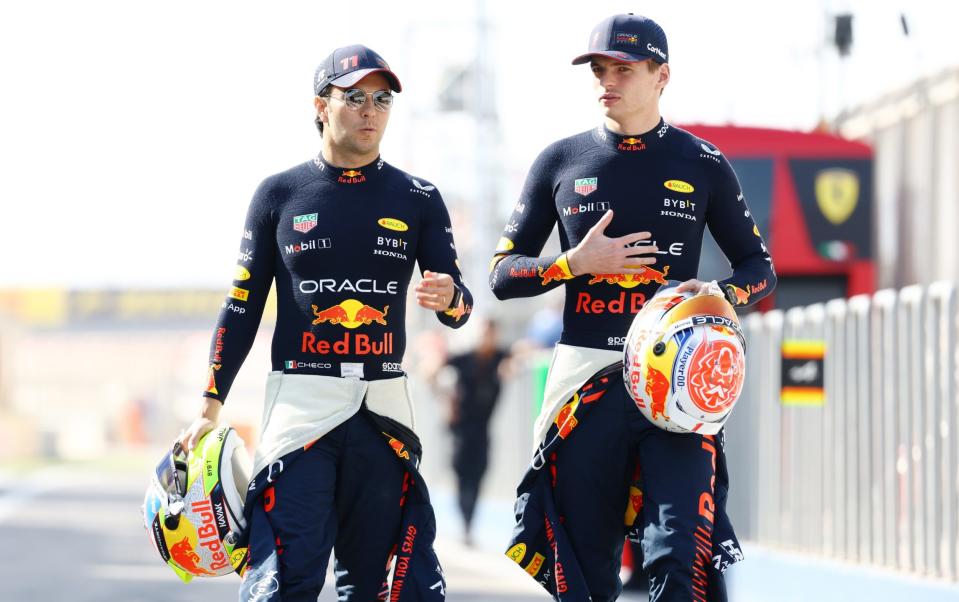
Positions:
(628, 38)
(347, 65)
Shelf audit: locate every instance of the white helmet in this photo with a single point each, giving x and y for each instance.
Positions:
(193, 508)
(685, 361)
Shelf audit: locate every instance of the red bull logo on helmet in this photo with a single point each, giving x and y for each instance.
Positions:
(182, 553)
(657, 388)
(209, 535)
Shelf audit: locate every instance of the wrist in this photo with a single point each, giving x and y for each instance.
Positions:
(455, 299)
(211, 409)
(572, 261)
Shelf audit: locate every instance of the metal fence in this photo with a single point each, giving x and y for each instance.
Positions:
(870, 475)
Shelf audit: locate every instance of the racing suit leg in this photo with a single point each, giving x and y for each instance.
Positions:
(591, 488)
(369, 490)
(296, 522)
(679, 506)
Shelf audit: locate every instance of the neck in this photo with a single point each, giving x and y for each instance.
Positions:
(338, 156)
(636, 123)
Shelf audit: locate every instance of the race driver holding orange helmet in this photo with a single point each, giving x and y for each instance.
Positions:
(632, 199)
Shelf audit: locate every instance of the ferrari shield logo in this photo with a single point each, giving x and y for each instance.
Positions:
(837, 193)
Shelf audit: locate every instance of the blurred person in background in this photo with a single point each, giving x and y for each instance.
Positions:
(336, 465)
(479, 374)
(631, 199)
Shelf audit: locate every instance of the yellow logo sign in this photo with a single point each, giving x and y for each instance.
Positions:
(504, 244)
(241, 273)
(237, 557)
(535, 564)
(837, 194)
(393, 224)
(241, 294)
(679, 186)
(517, 553)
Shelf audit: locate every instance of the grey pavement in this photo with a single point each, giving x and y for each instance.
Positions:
(75, 533)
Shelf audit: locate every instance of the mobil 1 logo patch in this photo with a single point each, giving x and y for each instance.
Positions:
(307, 245)
(590, 207)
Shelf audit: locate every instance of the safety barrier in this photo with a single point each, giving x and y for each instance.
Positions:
(869, 475)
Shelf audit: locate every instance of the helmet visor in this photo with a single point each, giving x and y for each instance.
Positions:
(171, 472)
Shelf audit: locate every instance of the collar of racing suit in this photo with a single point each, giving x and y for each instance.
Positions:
(629, 144)
(348, 175)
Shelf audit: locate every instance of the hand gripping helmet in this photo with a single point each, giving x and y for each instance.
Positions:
(685, 361)
(193, 509)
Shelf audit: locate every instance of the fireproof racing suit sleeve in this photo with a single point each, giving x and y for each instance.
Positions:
(436, 252)
(240, 314)
(517, 269)
(734, 229)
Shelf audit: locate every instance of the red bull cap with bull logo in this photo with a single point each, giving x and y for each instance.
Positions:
(627, 38)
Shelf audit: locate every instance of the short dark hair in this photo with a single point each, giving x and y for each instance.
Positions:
(324, 93)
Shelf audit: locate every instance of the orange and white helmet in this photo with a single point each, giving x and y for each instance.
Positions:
(685, 361)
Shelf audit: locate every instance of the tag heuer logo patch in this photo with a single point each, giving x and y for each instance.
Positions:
(305, 223)
(584, 186)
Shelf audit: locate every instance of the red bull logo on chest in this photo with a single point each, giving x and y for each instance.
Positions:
(350, 314)
(648, 275)
(351, 176)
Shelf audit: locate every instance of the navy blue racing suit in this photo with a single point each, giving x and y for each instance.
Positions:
(341, 245)
(674, 185)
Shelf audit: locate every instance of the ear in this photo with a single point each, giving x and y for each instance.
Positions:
(663, 75)
(322, 106)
